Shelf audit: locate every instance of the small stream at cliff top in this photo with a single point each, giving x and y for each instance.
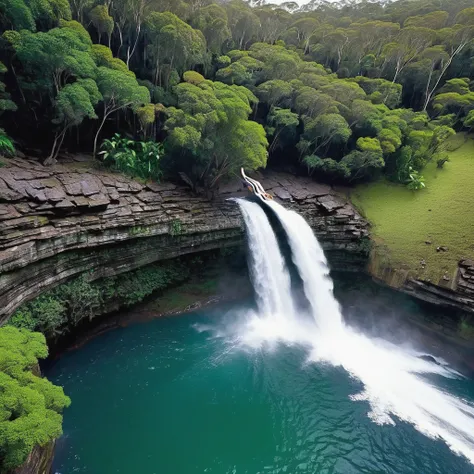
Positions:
(279, 385)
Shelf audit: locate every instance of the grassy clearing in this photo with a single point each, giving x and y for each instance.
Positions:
(443, 214)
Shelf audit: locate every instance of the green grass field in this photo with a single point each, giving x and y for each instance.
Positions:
(442, 213)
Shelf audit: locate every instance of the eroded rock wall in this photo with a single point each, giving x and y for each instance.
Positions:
(60, 221)
(456, 292)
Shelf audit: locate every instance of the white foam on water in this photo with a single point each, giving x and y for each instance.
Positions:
(394, 379)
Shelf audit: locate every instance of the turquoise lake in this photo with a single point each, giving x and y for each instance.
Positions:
(163, 397)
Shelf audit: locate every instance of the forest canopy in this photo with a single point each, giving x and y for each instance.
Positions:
(346, 91)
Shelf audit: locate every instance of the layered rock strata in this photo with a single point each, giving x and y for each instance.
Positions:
(57, 222)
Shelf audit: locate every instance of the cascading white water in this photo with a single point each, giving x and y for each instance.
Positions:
(310, 260)
(269, 273)
(394, 379)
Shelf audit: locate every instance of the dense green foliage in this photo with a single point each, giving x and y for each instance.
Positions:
(133, 157)
(346, 90)
(58, 311)
(30, 406)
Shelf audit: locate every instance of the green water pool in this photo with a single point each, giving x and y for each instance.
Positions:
(165, 398)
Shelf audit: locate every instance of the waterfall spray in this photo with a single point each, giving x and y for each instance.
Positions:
(395, 383)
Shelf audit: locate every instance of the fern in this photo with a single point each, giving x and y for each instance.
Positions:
(6, 144)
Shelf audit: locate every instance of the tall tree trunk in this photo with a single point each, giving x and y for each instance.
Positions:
(445, 68)
(106, 114)
(427, 88)
(58, 141)
(131, 53)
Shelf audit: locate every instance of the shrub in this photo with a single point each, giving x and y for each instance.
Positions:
(6, 144)
(30, 406)
(65, 305)
(327, 167)
(441, 161)
(415, 180)
(176, 227)
(45, 313)
(57, 311)
(134, 158)
(133, 287)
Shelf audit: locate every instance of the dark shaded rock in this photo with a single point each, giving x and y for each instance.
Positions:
(22, 174)
(99, 200)
(39, 194)
(149, 197)
(81, 201)
(299, 194)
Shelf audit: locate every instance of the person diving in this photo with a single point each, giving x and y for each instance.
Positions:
(255, 187)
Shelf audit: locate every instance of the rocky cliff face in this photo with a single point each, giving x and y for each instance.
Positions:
(456, 292)
(39, 461)
(60, 221)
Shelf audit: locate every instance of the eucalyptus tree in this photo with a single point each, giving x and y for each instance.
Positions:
(6, 103)
(243, 22)
(129, 18)
(172, 45)
(120, 91)
(411, 42)
(209, 128)
(59, 65)
(213, 22)
(30, 405)
(433, 20)
(281, 126)
(102, 21)
(73, 104)
(30, 14)
(273, 22)
(455, 40)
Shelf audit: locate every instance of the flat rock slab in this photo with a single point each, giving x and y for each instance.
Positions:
(331, 203)
(282, 194)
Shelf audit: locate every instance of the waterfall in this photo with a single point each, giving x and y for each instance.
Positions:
(310, 260)
(394, 379)
(269, 273)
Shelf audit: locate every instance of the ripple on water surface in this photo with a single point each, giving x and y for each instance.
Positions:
(165, 398)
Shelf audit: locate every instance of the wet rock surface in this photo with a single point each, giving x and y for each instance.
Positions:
(57, 222)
